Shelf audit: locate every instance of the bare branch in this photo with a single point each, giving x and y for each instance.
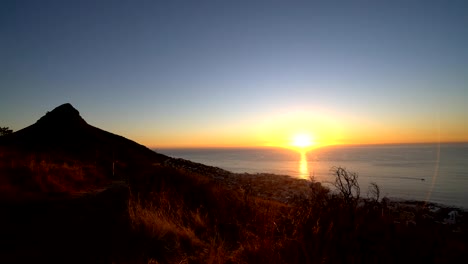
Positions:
(374, 191)
(347, 184)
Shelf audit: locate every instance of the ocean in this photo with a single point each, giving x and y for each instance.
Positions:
(428, 172)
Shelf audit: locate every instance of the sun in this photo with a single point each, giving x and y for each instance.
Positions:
(302, 141)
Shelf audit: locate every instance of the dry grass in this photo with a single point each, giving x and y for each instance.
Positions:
(34, 175)
(190, 219)
(178, 216)
(204, 223)
(163, 222)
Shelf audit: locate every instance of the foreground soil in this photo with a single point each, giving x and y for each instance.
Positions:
(82, 228)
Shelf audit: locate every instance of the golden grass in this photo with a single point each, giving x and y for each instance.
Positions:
(29, 175)
(161, 221)
(205, 223)
(178, 216)
(190, 219)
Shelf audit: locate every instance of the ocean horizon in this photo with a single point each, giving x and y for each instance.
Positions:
(429, 172)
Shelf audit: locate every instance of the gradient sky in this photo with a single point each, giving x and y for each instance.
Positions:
(240, 73)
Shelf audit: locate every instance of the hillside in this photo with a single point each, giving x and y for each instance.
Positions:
(62, 153)
(63, 130)
(73, 193)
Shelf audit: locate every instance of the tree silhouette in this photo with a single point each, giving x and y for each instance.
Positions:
(5, 131)
(347, 184)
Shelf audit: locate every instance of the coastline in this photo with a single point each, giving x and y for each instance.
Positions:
(287, 190)
(416, 171)
(261, 182)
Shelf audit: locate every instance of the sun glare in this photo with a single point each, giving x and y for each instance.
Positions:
(302, 141)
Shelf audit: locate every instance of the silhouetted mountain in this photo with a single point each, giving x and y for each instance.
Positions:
(64, 131)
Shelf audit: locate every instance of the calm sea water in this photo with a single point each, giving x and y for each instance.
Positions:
(430, 172)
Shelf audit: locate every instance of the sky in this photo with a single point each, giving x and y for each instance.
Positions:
(241, 73)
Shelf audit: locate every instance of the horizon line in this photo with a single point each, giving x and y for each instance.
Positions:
(324, 146)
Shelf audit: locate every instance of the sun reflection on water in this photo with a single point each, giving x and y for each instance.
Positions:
(303, 166)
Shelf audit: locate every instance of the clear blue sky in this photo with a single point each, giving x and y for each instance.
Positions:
(218, 73)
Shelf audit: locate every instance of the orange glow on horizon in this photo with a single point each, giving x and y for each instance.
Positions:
(300, 130)
(304, 131)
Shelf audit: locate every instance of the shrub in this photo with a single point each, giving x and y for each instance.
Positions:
(5, 131)
(346, 183)
(374, 192)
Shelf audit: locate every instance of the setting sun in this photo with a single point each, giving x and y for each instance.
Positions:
(302, 141)
(301, 130)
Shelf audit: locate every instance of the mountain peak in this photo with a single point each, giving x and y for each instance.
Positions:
(67, 107)
(64, 114)
(62, 130)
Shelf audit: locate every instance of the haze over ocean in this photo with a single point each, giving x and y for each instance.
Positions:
(434, 172)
